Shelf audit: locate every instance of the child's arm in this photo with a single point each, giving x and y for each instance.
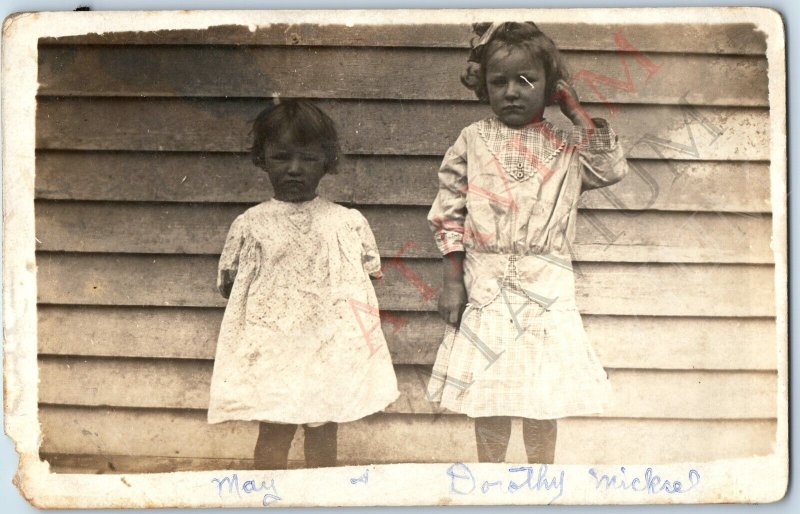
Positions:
(370, 257)
(446, 218)
(602, 157)
(229, 260)
(453, 298)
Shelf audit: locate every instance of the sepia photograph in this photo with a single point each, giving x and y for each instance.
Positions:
(418, 257)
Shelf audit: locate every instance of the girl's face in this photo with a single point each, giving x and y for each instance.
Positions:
(294, 170)
(516, 86)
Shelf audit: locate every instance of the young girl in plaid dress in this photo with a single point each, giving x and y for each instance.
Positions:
(504, 218)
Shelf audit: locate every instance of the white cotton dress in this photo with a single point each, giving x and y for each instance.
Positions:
(300, 340)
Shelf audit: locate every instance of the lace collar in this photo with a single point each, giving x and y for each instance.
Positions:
(526, 151)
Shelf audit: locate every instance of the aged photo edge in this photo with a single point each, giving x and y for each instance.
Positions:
(761, 479)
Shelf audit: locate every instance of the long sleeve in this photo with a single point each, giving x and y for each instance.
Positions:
(449, 210)
(601, 156)
(370, 257)
(229, 260)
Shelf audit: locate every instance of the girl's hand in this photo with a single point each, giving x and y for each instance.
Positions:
(226, 279)
(452, 301)
(567, 100)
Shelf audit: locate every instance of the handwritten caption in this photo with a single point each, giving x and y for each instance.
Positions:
(551, 483)
(267, 490)
(543, 482)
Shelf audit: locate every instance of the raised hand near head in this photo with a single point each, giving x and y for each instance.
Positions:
(567, 100)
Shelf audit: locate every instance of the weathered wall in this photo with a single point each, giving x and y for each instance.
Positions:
(141, 167)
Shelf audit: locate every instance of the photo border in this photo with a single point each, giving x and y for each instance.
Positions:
(759, 479)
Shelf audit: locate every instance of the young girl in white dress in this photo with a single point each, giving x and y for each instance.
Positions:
(504, 218)
(293, 348)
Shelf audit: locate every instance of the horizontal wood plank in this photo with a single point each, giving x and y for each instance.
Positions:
(608, 288)
(382, 127)
(679, 306)
(407, 180)
(184, 384)
(387, 438)
(716, 38)
(361, 72)
(402, 231)
(413, 337)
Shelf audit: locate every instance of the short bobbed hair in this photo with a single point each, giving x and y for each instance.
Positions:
(300, 122)
(525, 36)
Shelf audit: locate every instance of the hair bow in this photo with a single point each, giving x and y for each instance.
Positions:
(477, 50)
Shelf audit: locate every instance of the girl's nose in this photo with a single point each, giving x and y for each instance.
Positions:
(512, 91)
(294, 166)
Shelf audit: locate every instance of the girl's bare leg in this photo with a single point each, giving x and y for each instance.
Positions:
(492, 435)
(321, 445)
(272, 446)
(539, 436)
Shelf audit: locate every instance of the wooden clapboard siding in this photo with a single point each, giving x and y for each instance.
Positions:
(383, 180)
(184, 384)
(387, 438)
(200, 228)
(602, 288)
(380, 126)
(632, 342)
(369, 73)
(142, 164)
(712, 38)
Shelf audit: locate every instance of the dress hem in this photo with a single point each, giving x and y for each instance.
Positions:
(215, 419)
(528, 415)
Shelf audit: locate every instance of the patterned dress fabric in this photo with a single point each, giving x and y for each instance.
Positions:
(508, 197)
(300, 340)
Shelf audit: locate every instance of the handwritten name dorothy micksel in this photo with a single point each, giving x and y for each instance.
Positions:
(463, 481)
(536, 479)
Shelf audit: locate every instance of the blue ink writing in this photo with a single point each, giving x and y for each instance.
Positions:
(533, 478)
(248, 487)
(649, 483)
(363, 478)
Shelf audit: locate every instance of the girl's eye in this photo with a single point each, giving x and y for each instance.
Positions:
(497, 82)
(280, 156)
(308, 157)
